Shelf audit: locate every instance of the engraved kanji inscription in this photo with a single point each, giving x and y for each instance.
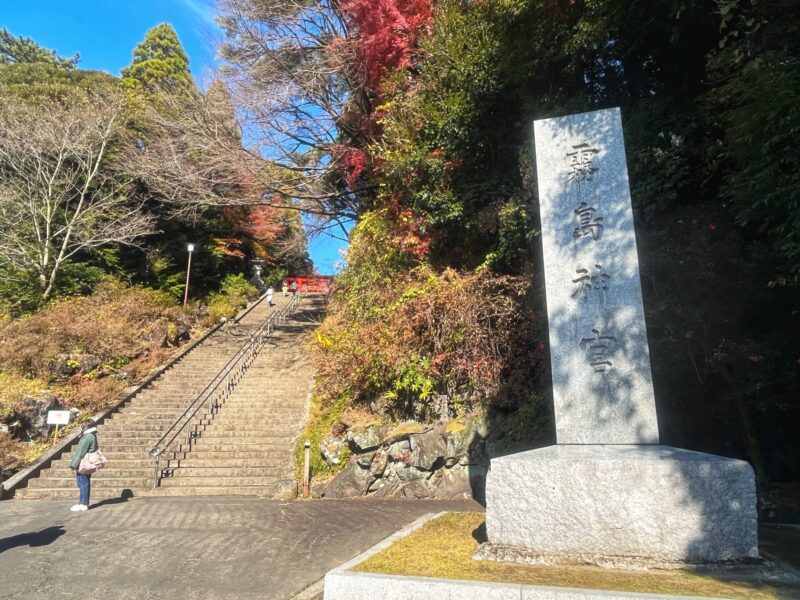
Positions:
(588, 223)
(591, 285)
(581, 163)
(599, 349)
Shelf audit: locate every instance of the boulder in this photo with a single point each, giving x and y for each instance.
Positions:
(428, 450)
(159, 336)
(385, 488)
(415, 490)
(406, 472)
(179, 332)
(317, 488)
(366, 440)
(403, 430)
(63, 366)
(400, 451)
(69, 364)
(86, 362)
(349, 483)
(379, 463)
(332, 450)
(459, 438)
(365, 460)
(454, 484)
(32, 417)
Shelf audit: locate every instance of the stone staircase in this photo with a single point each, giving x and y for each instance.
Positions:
(247, 448)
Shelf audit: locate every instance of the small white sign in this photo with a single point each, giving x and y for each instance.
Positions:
(57, 417)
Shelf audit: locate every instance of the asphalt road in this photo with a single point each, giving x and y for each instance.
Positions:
(198, 548)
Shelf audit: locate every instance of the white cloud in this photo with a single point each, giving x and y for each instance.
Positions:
(204, 9)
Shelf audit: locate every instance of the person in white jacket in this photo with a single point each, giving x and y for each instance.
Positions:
(270, 293)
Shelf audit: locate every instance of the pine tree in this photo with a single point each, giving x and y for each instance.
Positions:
(15, 50)
(160, 62)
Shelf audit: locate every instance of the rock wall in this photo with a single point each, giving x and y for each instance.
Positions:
(445, 460)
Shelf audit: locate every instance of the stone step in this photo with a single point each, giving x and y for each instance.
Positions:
(247, 448)
(132, 445)
(106, 437)
(234, 413)
(145, 470)
(195, 482)
(177, 405)
(99, 480)
(223, 473)
(236, 419)
(289, 399)
(204, 461)
(267, 490)
(142, 415)
(139, 427)
(138, 461)
(221, 425)
(242, 446)
(261, 451)
(220, 436)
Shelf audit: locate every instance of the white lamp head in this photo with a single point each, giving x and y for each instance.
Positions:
(190, 247)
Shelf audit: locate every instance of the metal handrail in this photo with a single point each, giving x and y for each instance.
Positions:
(230, 375)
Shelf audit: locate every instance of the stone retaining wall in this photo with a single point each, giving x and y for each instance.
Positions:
(444, 460)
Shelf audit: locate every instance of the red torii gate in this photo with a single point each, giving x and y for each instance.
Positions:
(320, 284)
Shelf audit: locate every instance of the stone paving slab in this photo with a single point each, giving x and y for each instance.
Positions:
(199, 548)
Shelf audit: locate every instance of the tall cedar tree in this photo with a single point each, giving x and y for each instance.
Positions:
(160, 62)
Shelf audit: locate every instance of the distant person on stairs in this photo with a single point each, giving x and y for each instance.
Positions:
(86, 444)
(294, 288)
(270, 293)
(285, 289)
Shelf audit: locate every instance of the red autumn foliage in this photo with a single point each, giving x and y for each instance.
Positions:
(354, 163)
(263, 224)
(258, 227)
(388, 31)
(410, 229)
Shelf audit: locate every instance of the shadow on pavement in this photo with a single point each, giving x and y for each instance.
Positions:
(123, 497)
(45, 537)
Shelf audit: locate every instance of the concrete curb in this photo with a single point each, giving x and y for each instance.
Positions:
(312, 592)
(341, 584)
(10, 485)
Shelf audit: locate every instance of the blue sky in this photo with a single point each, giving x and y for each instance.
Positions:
(105, 33)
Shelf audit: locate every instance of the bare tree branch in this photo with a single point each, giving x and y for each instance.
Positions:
(56, 195)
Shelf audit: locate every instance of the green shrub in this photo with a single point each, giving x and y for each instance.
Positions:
(322, 415)
(234, 295)
(423, 339)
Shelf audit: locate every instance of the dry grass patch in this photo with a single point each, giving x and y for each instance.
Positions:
(443, 548)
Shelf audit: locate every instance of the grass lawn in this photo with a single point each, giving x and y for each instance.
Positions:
(443, 548)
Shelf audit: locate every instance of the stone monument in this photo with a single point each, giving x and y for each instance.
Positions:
(607, 493)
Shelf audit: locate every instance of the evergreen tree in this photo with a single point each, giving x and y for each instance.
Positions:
(160, 62)
(15, 50)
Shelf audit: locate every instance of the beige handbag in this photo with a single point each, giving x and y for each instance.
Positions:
(91, 462)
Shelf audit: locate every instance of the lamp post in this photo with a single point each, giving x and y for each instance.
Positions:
(190, 248)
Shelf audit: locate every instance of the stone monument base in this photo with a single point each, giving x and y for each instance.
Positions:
(620, 506)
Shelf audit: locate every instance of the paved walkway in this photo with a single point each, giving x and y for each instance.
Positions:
(199, 548)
